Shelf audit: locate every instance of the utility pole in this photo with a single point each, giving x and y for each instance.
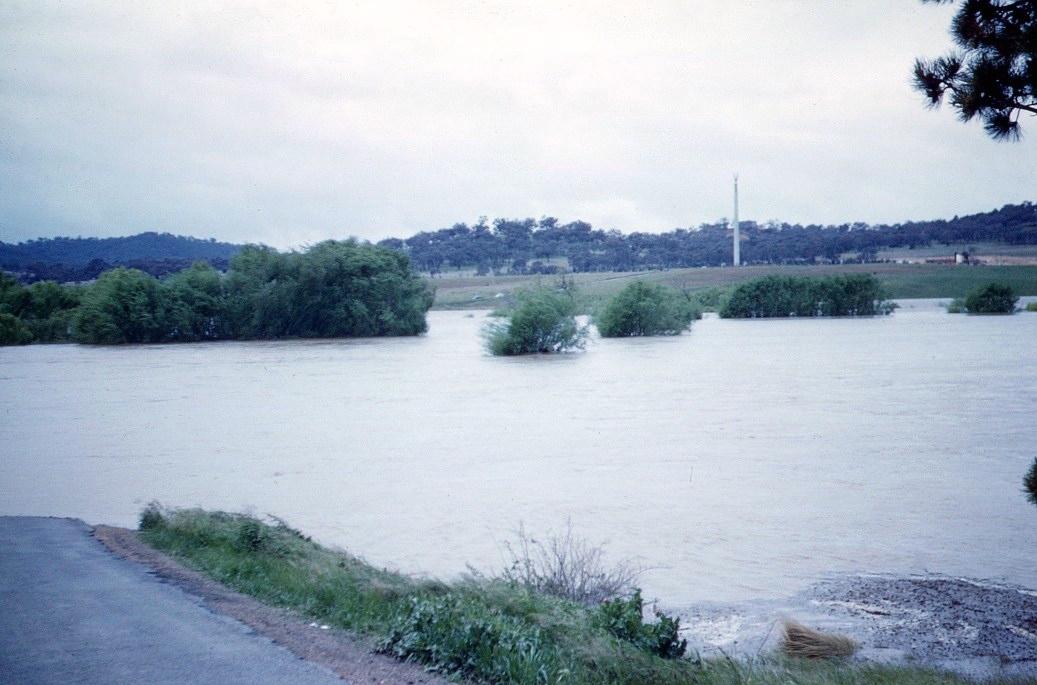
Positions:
(737, 261)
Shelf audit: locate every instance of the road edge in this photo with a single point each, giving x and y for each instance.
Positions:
(347, 655)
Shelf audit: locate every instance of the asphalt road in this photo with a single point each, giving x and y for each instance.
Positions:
(72, 612)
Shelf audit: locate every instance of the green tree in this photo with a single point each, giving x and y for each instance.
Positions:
(993, 74)
(123, 306)
(50, 311)
(334, 289)
(13, 331)
(195, 304)
(993, 298)
(646, 309)
(543, 321)
(43, 310)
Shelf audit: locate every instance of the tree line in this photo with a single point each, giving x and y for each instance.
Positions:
(530, 245)
(333, 289)
(535, 246)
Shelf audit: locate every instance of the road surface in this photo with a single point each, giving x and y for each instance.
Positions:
(72, 612)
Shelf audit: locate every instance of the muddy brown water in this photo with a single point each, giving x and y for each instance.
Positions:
(743, 460)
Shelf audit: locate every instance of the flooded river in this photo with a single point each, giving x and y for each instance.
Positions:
(742, 460)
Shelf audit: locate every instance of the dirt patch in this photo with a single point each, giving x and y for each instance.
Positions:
(349, 656)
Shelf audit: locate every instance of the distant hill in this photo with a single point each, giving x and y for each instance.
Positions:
(76, 259)
(545, 245)
(79, 251)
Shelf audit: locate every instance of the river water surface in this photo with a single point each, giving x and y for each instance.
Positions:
(742, 460)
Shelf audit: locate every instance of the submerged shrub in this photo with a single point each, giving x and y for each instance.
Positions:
(13, 331)
(956, 306)
(543, 321)
(646, 309)
(1030, 483)
(624, 618)
(781, 296)
(40, 312)
(993, 298)
(1031, 307)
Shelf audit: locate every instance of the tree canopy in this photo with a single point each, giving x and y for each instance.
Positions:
(993, 73)
(333, 289)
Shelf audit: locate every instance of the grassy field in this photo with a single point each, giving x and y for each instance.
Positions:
(991, 250)
(481, 630)
(902, 281)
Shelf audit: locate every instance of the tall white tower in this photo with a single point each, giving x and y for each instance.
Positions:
(737, 261)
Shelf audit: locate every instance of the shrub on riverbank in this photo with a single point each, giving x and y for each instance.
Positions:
(993, 298)
(783, 296)
(646, 309)
(543, 321)
(486, 631)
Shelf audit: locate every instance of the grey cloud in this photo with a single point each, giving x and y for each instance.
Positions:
(291, 124)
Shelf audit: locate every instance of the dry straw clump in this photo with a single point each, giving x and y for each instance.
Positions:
(807, 643)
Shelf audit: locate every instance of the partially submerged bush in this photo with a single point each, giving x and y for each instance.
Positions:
(1030, 483)
(993, 298)
(624, 618)
(1031, 307)
(543, 321)
(646, 309)
(567, 566)
(781, 296)
(956, 306)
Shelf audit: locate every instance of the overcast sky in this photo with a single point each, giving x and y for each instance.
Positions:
(291, 122)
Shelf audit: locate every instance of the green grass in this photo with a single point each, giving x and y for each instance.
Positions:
(980, 249)
(903, 281)
(480, 629)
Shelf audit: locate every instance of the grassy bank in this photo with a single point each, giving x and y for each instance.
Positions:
(481, 629)
(901, 280)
